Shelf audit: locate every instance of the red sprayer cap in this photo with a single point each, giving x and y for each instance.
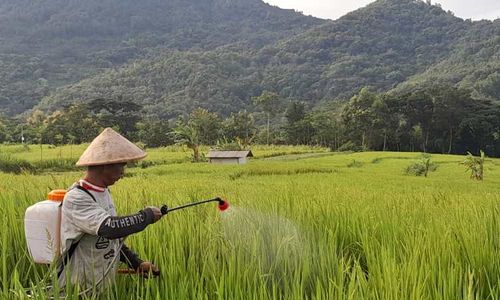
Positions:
(223, 205)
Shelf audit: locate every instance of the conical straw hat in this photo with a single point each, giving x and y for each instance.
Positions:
(110, 148)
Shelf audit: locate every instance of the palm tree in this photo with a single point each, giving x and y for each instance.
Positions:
(189, 136)
(475, 165)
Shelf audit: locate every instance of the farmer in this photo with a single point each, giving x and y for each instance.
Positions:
(91, 231)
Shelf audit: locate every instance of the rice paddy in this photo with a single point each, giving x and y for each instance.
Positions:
(303, 224)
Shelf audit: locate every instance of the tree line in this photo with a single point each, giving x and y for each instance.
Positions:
(432, 118)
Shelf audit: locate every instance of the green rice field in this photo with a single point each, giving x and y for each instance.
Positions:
(304, 223)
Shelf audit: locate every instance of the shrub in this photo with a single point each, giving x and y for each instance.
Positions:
(350, 146)
(475, 165)
(9, 164)
(141, 145)
(286, 172)
(225, 145)
(355, 164)
(422, 167)
(143, 164)
(57, 165)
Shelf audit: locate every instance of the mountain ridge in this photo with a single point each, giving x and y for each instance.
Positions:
(65, 41)
(386, 45)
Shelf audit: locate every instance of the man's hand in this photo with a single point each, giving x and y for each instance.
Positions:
(156, 213)
(147, 269)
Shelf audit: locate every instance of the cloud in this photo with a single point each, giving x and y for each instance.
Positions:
(476, 10)
(333, 9)
(321, 8)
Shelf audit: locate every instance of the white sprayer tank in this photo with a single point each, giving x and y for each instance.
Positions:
(42, 225)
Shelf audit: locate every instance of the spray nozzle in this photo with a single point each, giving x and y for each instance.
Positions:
(223, 205)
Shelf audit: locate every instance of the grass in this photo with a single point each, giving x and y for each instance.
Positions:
(49, 158)
(311, 228)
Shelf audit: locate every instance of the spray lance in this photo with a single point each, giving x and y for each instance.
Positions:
(222, 205)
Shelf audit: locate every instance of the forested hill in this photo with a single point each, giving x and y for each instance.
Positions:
(37, 27)
(230, 50)
(51, 43)
(473, 64)
(384, 45)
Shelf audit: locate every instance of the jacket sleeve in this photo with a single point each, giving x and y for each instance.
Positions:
(119, 227)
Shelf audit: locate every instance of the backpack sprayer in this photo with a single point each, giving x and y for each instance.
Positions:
(42, 223)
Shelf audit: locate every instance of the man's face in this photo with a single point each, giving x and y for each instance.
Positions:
(112, 173)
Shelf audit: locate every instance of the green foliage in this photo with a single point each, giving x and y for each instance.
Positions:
(154, 133)
(9, 164)
(491, 86)
(78, 40)
(475, 165)
(4, 132)
(117, 113)
(472, 63)
(382, 46)
(55, 165)
(298, 130)
(270, 103)
(434, 118)
(359, 117)
(207, 125)
(355, 164)
(202, 128)
(240, 128)
(170, 72)
(81, 122)
(229, 146)
(189, 136)
(422, 167)
(327, 130)
(418, 78)
(349, 146)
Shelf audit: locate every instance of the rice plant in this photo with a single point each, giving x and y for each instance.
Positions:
(311, 228)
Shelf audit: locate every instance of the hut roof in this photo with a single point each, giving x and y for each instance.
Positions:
(229, 154)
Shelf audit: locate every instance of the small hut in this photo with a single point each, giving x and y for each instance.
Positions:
(228, 157)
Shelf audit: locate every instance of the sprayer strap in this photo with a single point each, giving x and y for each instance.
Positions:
(81, 188)
(71, 250)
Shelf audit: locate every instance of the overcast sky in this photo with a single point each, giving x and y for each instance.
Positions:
(333, 9)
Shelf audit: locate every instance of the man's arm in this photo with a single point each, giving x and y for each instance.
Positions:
(118, 227)
(84, 213)
(130, 257)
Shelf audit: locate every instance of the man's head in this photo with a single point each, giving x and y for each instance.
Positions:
(106, 175)
(107, 155)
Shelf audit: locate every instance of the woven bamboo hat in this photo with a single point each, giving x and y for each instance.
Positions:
(110, 148)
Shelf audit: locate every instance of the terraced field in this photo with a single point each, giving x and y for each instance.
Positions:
(304, 223)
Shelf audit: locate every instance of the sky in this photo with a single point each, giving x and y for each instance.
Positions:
(333, 9)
